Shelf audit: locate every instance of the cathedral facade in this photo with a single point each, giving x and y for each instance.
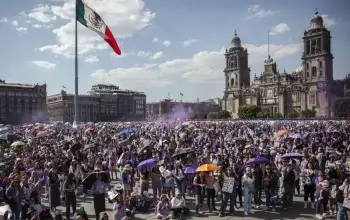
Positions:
(311, 86)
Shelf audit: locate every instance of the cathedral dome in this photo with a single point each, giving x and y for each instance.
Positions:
(316, 21)
(236, 41)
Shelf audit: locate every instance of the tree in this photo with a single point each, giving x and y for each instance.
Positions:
(212, 115)
(293, 114)
(223, 114)
(308, 113)
(218, 115)
(278, 115)
(342, 108)
(264, 113)
(248, 111)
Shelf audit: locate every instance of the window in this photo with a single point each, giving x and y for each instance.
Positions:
(320, 64)
(307, 66)
(320, 73)
(275, 91)
(232, 82)
(313, 98)
(314, 71)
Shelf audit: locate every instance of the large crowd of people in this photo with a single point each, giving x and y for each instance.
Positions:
(159, 166)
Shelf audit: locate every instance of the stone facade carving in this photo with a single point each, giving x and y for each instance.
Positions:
(309, 83)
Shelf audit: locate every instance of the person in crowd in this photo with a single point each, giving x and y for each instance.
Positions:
(144, 180)
(309, 175)
(228, 190)
(322, 195)
(69, 194)
(13, 196)
(270, 182)
(178, 205)
(210, 180)
(99, 189)
(296, 168)
(54, 190)
(199, 183)
(163, 208)
(127, 181)
(26, 196)
(288, 186)
(156, 182)
(258, 175)
(248, 190)
(169, 182)
(342, 193)
(179, 176)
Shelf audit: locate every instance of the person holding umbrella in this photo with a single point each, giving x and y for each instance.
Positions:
(99, 188)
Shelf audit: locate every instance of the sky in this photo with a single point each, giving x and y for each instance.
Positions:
(168, 46)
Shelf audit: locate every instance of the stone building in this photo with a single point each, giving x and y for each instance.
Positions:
(22, 103)
(311, 86)
(104, 103)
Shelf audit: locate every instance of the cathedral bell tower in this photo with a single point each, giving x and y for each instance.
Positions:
(237, 75)
(317, 56)
(317, 60)
(237, 72)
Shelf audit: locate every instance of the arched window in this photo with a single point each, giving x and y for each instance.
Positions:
(232, 81)
(314, 71)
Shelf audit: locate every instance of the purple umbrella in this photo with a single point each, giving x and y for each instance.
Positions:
(147, 164)
(190, 170)
(257, 160)
(292, 154)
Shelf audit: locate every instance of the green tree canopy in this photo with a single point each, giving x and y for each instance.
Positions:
(293, 114)
(248, 111)
(218, 115)
(264, 113)
(308, 113)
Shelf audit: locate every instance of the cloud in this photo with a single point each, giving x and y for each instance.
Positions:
(42, 25)
(21, 29)
(279, 29)
(327, 21)
(15, 23)
(152, 56)
(167, 43)
(44, 64)
(43, 14)
(127, 17)
(4, 20)
(143, 54)
(256, 11)
(91, 59)
(157, 55)
(155, 40)
(188, 42)
(202, 67)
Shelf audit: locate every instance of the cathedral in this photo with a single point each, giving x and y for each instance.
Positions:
(311, 86)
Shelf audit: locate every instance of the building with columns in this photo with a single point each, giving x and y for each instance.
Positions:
(311, 86)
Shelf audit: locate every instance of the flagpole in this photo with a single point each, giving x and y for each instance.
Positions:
(76, 93)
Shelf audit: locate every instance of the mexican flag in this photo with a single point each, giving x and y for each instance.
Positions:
(90, 19)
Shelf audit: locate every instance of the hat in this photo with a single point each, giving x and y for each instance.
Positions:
(118, 187)
(127, 167)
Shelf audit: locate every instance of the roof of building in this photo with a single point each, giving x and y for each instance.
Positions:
(16, 85)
